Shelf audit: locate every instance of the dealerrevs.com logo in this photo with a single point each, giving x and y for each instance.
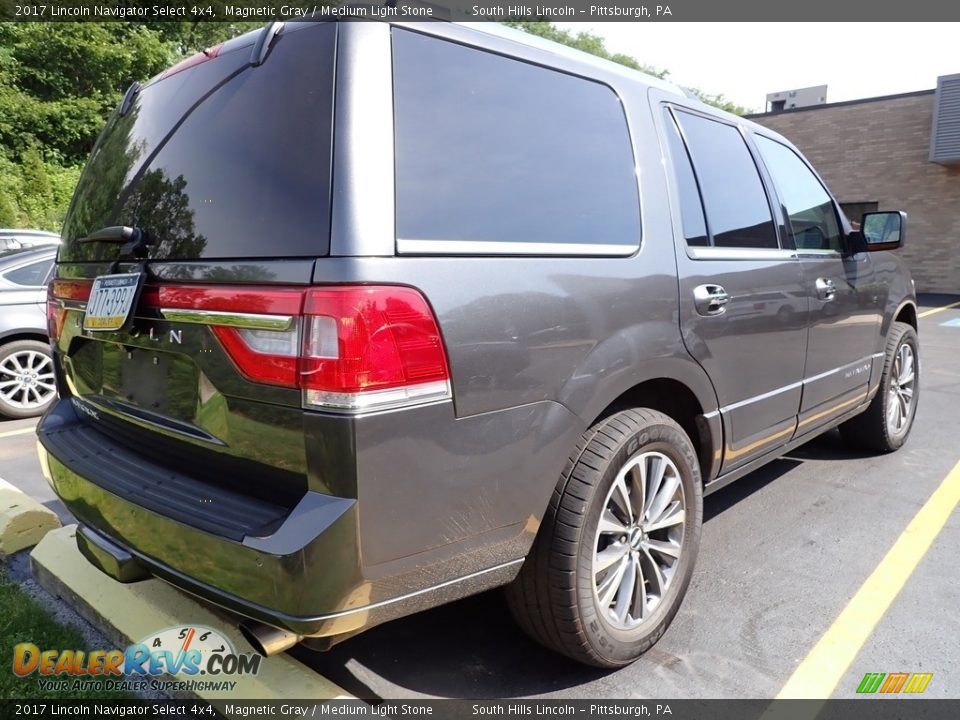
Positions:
(200, 657)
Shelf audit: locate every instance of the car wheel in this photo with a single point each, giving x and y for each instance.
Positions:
(617, 545)
(886, 423)
(27, 386)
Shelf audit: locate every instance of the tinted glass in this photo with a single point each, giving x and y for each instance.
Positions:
(813, 219)
(691, 207)
(737, 210)
(497, 150)
(31, 275)
(221, 160)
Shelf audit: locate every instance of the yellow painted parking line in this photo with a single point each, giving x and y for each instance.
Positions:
(21, 431)
(934, 311)
(822, 669)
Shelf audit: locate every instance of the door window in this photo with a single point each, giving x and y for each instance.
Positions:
(809, 209)
(738, 214)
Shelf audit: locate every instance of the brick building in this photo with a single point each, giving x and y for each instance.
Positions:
(888, 153)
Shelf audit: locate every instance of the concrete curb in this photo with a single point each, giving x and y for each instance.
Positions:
(127, 613)
(23, 521)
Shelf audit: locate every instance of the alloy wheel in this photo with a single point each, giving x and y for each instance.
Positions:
(639, 539)
(26, 380)
(902, 386)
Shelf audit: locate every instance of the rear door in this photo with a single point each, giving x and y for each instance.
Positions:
(225, 165)
(743, 310)
(845, 301)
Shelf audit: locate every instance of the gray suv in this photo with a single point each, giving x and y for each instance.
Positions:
(353, 319)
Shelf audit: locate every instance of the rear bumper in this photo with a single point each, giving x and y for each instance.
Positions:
(265, 578)
(306, 576)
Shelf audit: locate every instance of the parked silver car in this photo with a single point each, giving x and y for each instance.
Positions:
(26, 371)
(14, 239)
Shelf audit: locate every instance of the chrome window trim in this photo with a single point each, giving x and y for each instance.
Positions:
(412, 246)
(725, 253)
(813, 253)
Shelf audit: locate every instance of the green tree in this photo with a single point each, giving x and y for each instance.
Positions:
(59, 82)
(8, 216)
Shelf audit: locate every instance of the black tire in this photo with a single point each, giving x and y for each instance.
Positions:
(870, 429)
(20, 348)
(553, 598)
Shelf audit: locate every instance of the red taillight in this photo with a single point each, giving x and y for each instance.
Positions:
(359, 347)
(369, 347)
(59, 291)
(356, 348)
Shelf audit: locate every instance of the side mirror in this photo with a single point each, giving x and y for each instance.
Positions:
(883, 231)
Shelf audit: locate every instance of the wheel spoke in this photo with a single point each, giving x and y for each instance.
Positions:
(625, 591)
(611, 583)
(904, 408)
(639, 592)
(657, 582)
(664, 548)
(638, 488)
(655, 475)
(906, 365)
(673, 515)
(621, 498)
(610, 524)
(893, 410)
(608, 556)
(659, 503)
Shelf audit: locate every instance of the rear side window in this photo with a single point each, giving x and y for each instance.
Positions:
(495, 150)
(31, 275)
(221, 160)
(812, 216)
(738, 214)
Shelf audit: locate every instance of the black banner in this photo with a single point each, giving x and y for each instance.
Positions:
(855, 709)
(479, 10)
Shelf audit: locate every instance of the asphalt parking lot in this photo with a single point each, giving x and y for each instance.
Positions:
(784, 550)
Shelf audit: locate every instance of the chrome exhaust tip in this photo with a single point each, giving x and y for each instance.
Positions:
(267, 639)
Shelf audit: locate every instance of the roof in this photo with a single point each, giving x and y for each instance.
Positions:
(535, 41)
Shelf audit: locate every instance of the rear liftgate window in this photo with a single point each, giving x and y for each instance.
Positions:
(220, 160)
(493, 151)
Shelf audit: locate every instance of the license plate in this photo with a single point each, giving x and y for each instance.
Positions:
(111, 300)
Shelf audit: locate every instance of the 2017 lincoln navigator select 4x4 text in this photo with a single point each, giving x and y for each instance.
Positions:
(353, 319)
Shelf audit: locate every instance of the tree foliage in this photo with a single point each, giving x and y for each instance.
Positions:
(58, 84)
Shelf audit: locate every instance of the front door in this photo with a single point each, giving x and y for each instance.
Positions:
(845, 302)
(743, 309)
